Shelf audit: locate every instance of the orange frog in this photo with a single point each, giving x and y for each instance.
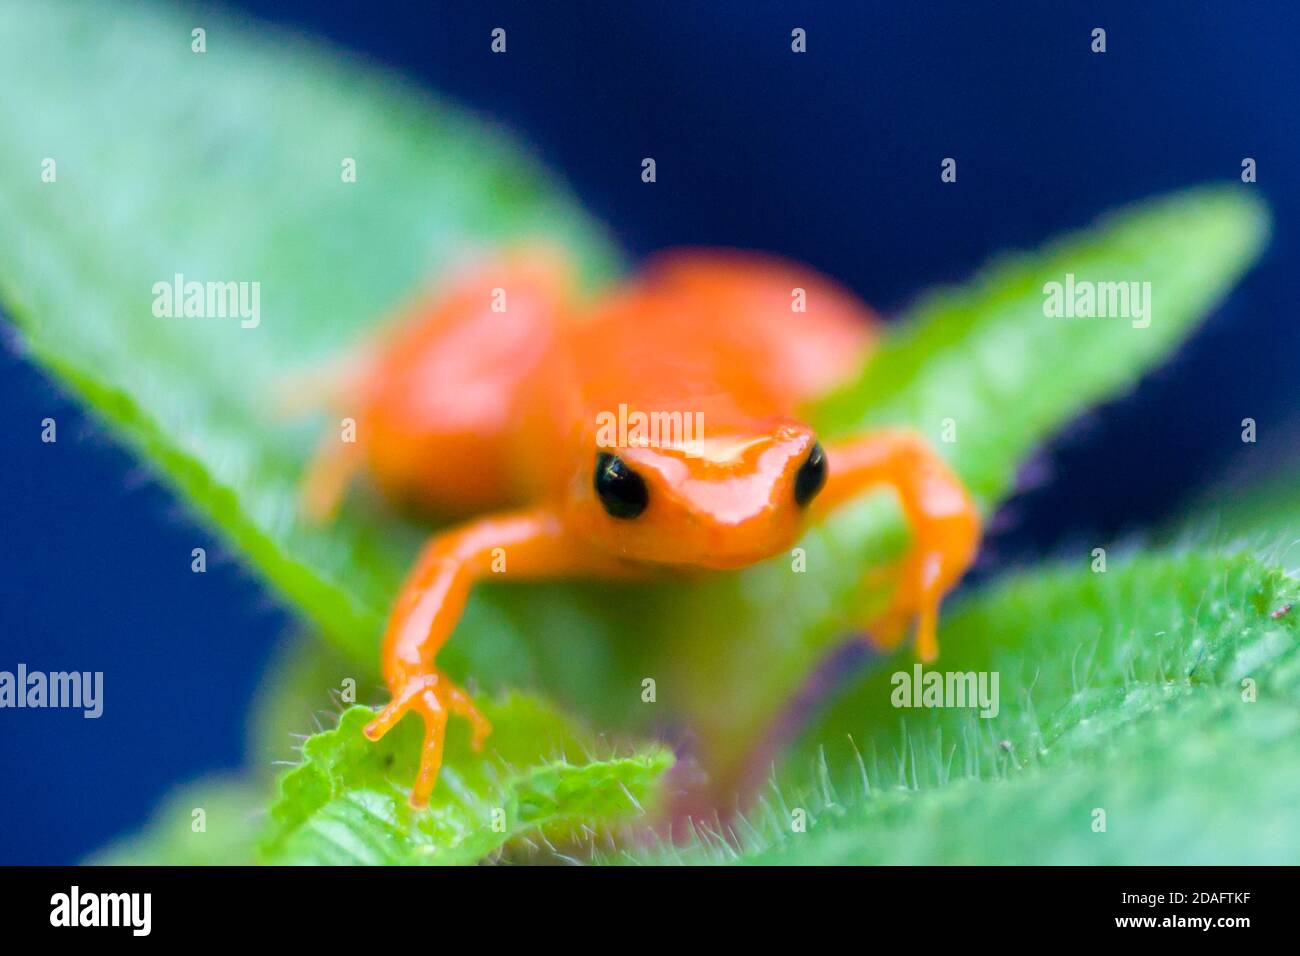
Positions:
(492, 401)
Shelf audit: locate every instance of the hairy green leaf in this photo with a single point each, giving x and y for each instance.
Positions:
(1263, 514)
(1209, 781)
(347, 802)
(1164, 692)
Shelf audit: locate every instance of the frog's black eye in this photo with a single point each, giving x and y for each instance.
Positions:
(811, 476)
(621, 490)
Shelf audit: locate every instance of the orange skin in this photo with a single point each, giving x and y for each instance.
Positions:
(489, 408)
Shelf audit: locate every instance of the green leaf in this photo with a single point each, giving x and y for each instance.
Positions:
(1067, 641)
(211, 822)
(306, 684)
(231, 171)
(537, 769)
(1210, 781)
(1264, 514)
(347, 802)
(299, 694)
(1120, 690)
(1007, 375)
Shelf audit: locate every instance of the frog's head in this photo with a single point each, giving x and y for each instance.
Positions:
(726, 499)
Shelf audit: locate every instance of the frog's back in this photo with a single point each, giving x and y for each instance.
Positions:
(702, 329)
(451, 391)
(486, 395)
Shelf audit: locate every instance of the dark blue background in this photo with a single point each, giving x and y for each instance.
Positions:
(831, 157)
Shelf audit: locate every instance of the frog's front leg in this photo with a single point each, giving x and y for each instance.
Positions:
(533, 543)
(944, 522)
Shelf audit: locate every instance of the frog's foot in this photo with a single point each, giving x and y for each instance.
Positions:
(433, 696)
(944, 547)
(942, 516)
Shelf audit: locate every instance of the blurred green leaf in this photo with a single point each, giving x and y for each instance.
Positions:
(301, 694)
(1261, 513)
(211, 822)
(1008, 376)
(347, 802)
(231, 171)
